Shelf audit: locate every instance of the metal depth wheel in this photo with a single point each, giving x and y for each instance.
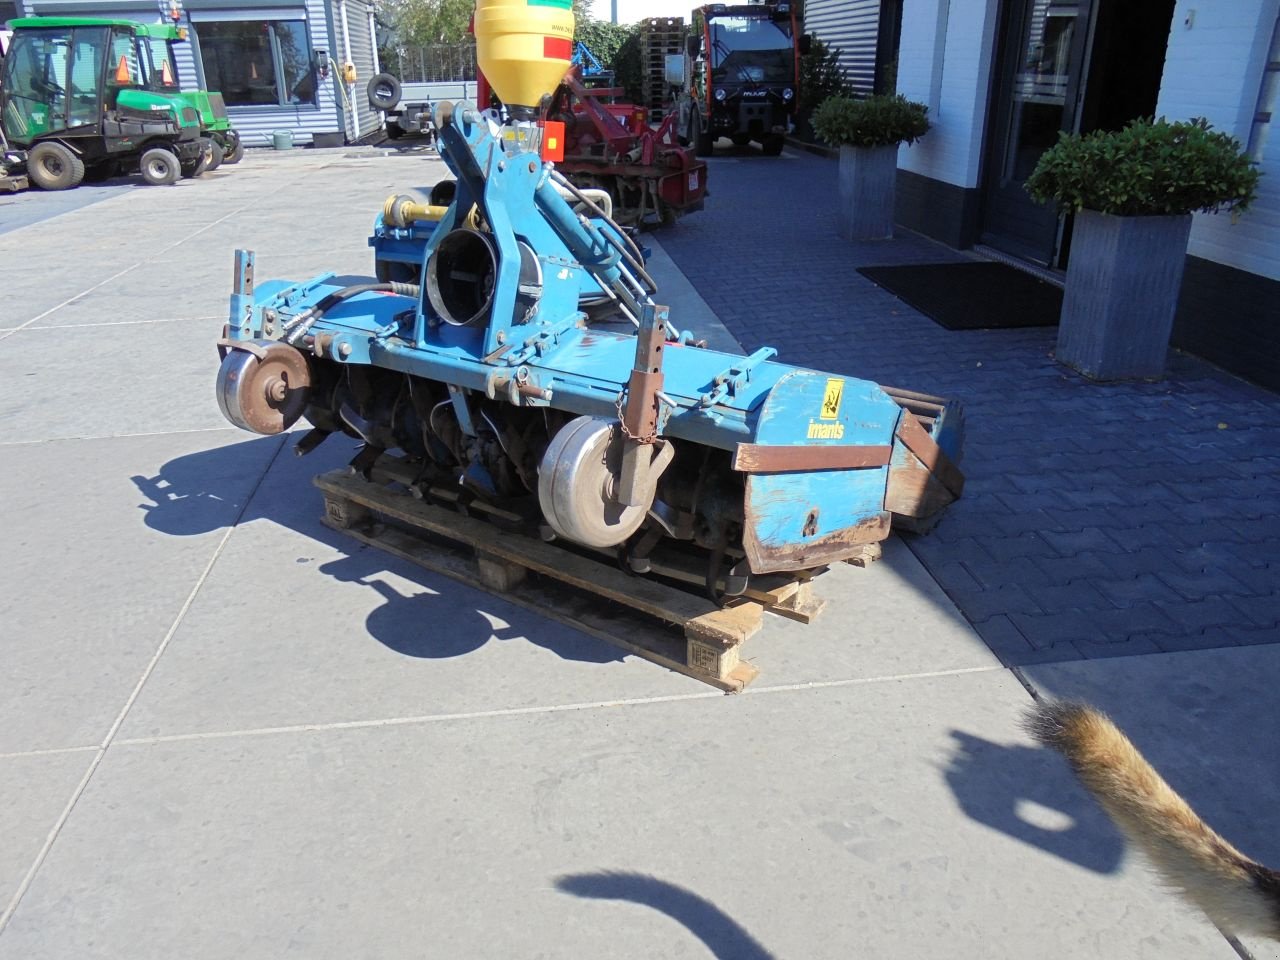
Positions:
(159, 167)
(577, 479)
(264, 391)
(53, 166)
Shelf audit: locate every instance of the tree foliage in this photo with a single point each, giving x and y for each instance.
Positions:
(423, 22)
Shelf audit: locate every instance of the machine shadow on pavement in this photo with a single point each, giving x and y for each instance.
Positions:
(202, 492)
(719, 932)
(1027, 793)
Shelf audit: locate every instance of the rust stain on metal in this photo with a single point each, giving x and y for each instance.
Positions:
(833, 547)
(786, 458)
(918, 441)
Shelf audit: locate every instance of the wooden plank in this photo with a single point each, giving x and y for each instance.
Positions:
(648, 596)
(728, 626)
(631, 631)
(803, 606)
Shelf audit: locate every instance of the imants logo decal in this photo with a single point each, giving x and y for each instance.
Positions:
(831, 398)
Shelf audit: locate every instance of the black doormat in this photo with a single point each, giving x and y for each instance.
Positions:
(978, 295)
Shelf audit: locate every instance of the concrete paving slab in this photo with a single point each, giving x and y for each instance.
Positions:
(1205, 720)
(33, 290)
(88, 381)
(132, 299)
(821, 823)
(327, 628)
(34, 790)
(91, 587)
(38, 206)
(359, 634)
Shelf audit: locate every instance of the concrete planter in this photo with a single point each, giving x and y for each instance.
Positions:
(1122, 290)
(867, 176)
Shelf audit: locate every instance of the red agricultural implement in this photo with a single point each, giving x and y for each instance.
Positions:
(610, 145)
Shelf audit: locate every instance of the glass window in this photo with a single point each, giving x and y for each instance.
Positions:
(160, 72)
(258, 62)
(53, 78)
(751, 50)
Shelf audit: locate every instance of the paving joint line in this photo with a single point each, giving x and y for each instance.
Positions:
(119, 323)
(499, 713)
(119, 436)
(6, 334)
(107, 740)
(46, 752)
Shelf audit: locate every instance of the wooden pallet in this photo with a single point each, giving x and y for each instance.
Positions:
(681, 630)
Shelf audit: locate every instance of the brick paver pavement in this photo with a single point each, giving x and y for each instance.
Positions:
(1098, 520)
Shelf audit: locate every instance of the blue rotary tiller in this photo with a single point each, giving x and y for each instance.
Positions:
(524, 359)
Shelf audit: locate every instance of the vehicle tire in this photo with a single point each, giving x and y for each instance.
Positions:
(159, 167)
(216, 155)
(394, 130)
(194, 168)
(51, 166)
(383, 91)
(771, 146)
(236, 153)
(740, 139)
(703, 141)
(391, 270)
(443, 192)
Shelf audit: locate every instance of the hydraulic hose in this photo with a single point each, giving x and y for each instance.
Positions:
(296, 328)
(634, 258)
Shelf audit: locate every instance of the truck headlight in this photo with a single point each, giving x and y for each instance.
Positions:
(721, 94)
(788, 93)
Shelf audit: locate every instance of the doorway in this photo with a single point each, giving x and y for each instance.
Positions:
(1062, 65)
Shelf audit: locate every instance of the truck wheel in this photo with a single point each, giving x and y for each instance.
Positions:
(394, 130)
(216, 155)
(383, 91)
(771, 146)
(703, 142)
(159, 167)
(194, 168)
(52, 166)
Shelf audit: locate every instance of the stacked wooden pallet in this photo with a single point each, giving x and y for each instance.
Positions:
(682, 629)
(659, 37)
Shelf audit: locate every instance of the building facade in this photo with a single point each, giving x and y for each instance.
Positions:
(277, 63)
(1002, 79)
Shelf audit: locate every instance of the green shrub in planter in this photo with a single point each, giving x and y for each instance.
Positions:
(1133, 192)
(874, 122)
(1150, 168)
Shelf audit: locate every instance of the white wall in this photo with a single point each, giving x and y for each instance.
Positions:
(1213, 69)
(945, 60)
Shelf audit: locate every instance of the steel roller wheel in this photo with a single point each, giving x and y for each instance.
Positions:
(577, 479)
(267, 393)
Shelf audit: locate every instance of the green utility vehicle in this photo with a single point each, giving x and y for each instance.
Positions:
(74, 93)
(161, 70)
